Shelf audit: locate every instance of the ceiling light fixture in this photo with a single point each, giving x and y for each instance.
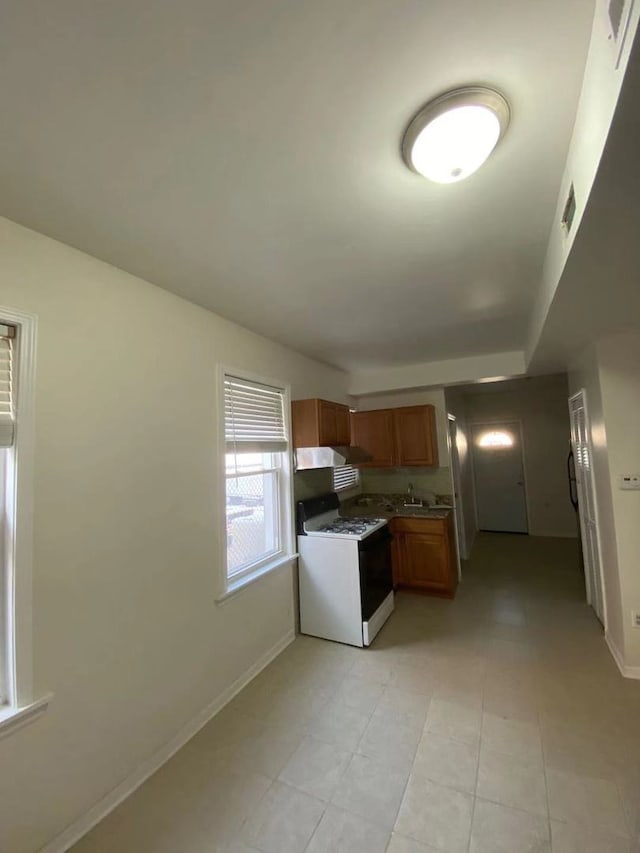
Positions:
(497, 438)
(452, 136)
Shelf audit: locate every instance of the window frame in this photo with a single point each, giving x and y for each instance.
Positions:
(267, 558)
(229, 586)
(20, 707)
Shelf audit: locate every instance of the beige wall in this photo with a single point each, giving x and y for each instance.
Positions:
(455, 404)
(540, 403)
(619, 374)
(126, 630)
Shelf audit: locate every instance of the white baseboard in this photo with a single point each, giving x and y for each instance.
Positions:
(470, 543)
(627, 671)
(80, 827)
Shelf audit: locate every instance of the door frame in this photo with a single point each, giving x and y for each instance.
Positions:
(456, 486)
(496, 422)
(582, 393)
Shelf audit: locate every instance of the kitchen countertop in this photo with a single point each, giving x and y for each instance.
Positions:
(387, 506)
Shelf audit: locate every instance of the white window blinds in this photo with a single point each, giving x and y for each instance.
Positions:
(254, 420)
(7, 402)
(345, 477)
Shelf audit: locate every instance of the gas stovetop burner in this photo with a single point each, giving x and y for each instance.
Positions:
(354, 526)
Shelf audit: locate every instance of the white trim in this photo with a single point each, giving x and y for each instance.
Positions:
(20, 586)
(581, 396)
(225, 588)
(627, 671)
(12, 719)
(456, 494)
(80, 827)
(244, 581)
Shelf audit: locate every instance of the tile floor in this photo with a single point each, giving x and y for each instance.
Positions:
(497, 723)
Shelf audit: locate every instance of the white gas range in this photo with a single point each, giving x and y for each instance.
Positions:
(345, 579)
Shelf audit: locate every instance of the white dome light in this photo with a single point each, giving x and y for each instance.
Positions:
(452, 136)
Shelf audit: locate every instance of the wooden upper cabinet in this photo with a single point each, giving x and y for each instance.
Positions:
(373, 432)
(343, 426)
(397, 437)
(319, 423)
(415, 434)
(328, 430)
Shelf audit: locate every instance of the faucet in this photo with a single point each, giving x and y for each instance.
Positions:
(410, 500)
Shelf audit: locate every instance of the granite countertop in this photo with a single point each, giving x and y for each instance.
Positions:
(388, 506)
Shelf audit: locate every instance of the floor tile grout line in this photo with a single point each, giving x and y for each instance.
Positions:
(547, 797)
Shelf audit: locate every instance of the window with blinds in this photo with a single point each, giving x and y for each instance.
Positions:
(345, 477)
(7, 402)
(253, 417)
(257, 482)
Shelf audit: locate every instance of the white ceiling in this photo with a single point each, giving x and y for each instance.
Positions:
(245, 155)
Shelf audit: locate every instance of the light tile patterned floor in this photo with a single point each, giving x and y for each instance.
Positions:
(497, 723)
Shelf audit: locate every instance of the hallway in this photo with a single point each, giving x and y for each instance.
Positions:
(496, 723)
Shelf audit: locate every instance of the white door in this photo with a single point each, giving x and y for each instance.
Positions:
(498, 470)
(581, 443)
(457, 490)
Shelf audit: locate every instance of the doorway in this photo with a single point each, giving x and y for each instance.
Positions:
(587, 513)
(498, 471)
(452, 442)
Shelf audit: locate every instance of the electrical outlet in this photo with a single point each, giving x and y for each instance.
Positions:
(635, 618)
(629, 481)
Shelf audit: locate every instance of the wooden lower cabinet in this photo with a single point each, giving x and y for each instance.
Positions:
(424, 555)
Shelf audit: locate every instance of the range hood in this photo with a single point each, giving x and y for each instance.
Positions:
(329, 457)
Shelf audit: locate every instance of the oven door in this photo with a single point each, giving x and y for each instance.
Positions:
(376, 579)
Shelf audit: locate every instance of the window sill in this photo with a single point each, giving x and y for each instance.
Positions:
(239, 585)
(12, 719)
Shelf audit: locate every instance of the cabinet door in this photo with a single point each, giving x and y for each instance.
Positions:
(327, 423)
(373, 431)
(343, 427)
(415, 434)
(427, 563)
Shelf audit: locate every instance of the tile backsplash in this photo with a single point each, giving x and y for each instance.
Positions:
(319, 481)
(436, 481)
(309, 484)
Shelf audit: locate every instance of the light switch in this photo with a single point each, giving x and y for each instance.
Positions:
(629, 481)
